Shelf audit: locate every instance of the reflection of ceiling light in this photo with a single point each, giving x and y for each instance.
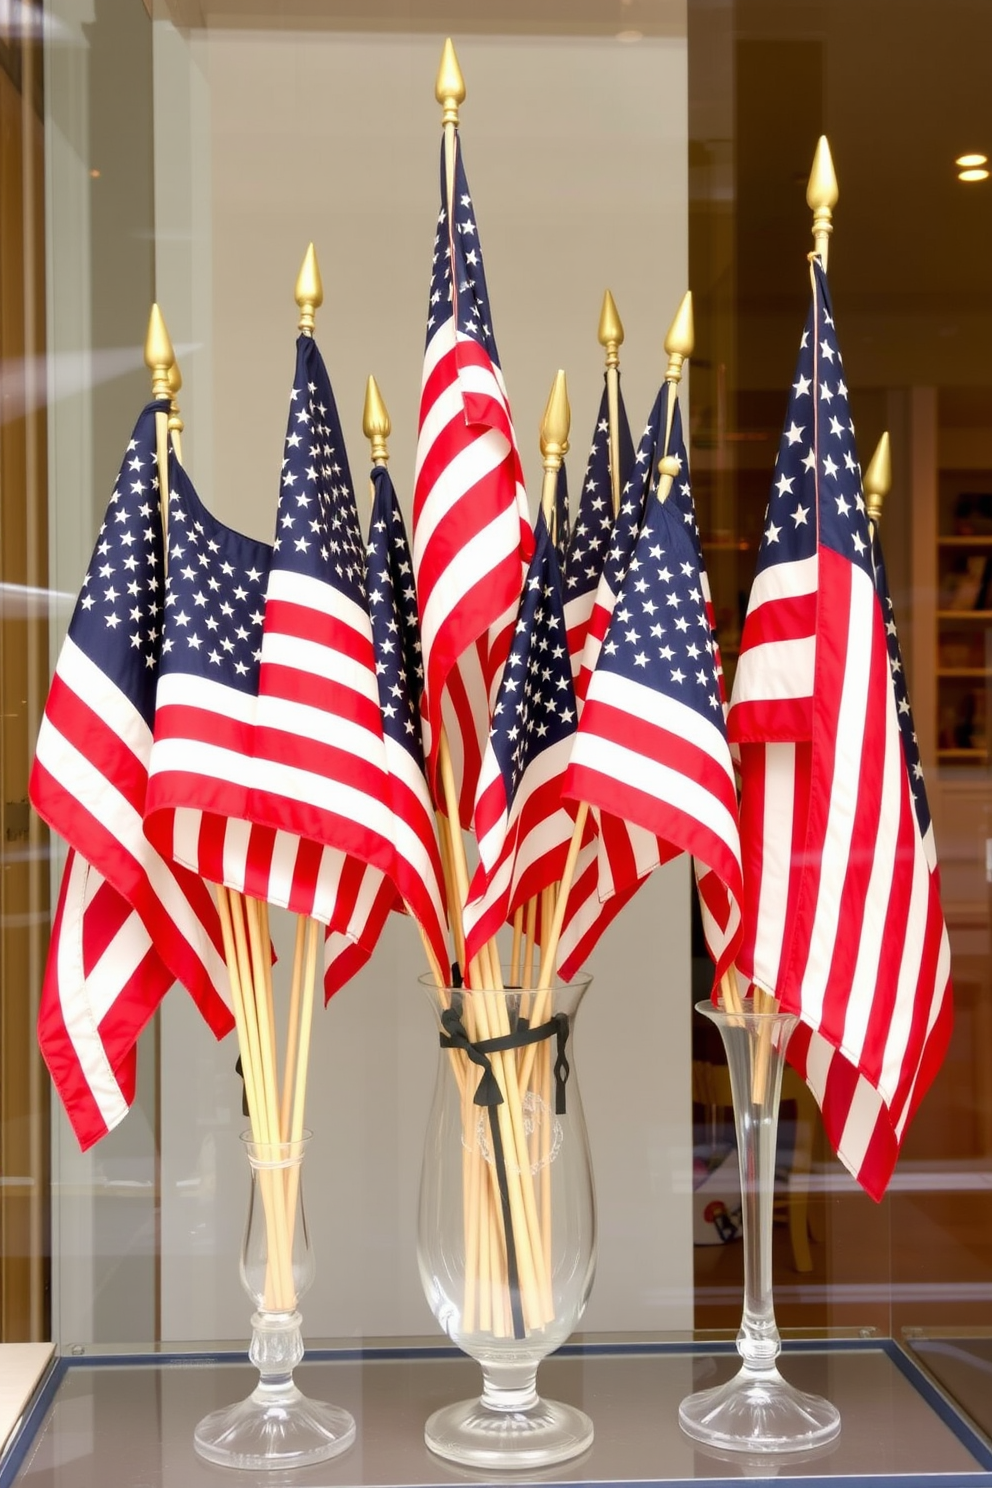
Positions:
(969, 160)
(973, 175)
(630, 36)
(95, 174)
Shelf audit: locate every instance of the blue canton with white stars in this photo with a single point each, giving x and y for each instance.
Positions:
(907, 733)
(395, 625)
(317, 528)
(681, 492)
(472, 299)
(117, 621)
(817, 456)
(535, 707)
(633, 497)
(215, 594)
(561, 516)
(589, 539)
(659, 634)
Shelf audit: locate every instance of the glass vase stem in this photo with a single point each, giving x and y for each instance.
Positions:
(757, 1410)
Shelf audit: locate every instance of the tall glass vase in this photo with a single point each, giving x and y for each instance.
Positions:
(507, 1225)
(757, 1410)
(276, 1426)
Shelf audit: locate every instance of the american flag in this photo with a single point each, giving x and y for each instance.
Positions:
(268, 772)
(400, 674)
(610, 869)
(651, 748)
(843, 922)
(522, 827)
(89, 782)
(472, 537)
(103, 980)
(589, 539)
(681, 494)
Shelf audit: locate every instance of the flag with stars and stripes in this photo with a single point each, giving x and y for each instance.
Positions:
(589, 538)
(129, 922)
(681, 494)
(843, 919)
(392, 596)
(472, 537)
(610, 869)
(651, 749)
(522, 827)
(268, 770)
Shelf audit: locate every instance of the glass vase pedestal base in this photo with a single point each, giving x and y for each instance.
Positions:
(759, 1411)
(539, 1435)
(276, 1426)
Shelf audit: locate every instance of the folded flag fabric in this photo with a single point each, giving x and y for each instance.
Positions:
(472, 537)
(843, 920)
(651, 748)
(129, 921)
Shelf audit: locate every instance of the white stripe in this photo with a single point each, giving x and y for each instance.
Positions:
(861, 997)
(118, 963)
(92, 790)
(776, 860)
(456, 482)
(859, 1124)
(317, 595)
(77, 1013)
(100, 694)
(237, 838)
(476, 559)
(316, 724)
(847, 769)
(447, 406)
(674, 717)
(308, 659)
(288, 781)
(775, 671)
(784, 581)
(545, 767)
(908, 989)
(614, 761)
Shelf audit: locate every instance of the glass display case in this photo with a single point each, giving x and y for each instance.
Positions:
(186, 152)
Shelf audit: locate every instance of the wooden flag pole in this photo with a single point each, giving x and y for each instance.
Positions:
(611, 339)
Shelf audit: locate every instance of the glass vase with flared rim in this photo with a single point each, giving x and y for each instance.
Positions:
(507, 1219)
(757, 1411)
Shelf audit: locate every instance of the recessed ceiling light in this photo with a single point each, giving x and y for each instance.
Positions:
(630, 36)
(976, 174)
(968, 160)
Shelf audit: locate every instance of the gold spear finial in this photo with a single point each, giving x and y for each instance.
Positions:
(375, 422)
(821, 197)
(555, 425)
(159, 355)
(877, 480)
(449, 89)
(610, 332)
(176, 425)
(309, 290)
(681, 338)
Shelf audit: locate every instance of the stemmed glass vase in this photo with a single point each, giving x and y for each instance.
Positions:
(276, 1426)
(757, 1410)
(507, 1227)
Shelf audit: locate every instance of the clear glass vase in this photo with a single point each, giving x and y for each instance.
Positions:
(757, 1410)
(507, 1220)
(276, 1426)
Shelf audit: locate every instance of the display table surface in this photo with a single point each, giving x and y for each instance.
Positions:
(118, 1421)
